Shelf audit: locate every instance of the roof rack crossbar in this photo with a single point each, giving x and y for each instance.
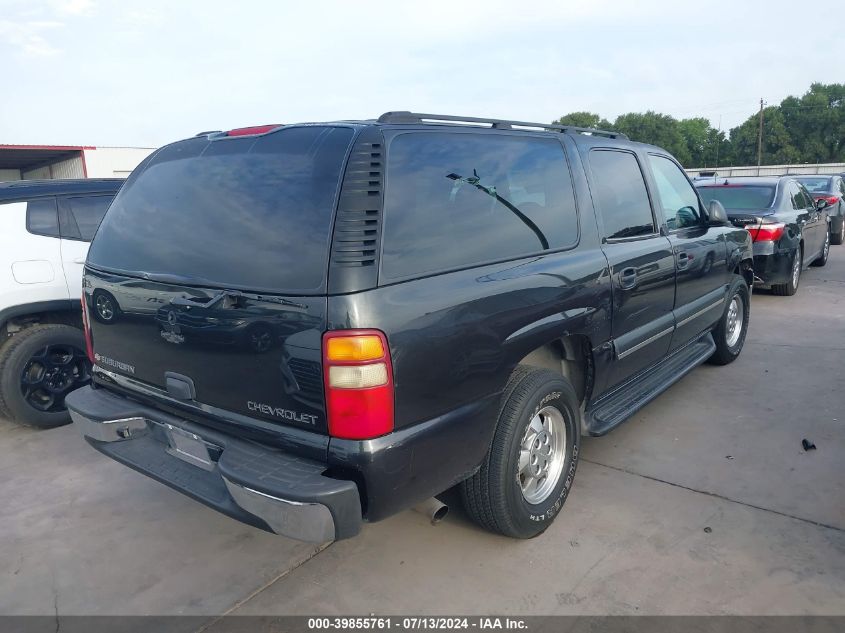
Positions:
(499, 124)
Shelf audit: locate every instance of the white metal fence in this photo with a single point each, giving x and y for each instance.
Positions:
(769, 170)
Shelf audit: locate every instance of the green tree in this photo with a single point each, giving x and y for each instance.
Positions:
(583, 119)
(816, 123)
(778, 148)
(657, 129)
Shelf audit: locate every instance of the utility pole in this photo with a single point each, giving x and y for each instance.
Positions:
(760, 140)
(718, 134)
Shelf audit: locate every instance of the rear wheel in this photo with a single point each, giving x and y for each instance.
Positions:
(38, 368)
(528, 471)
(839, 236)
(730, 334)
(821, 260)
(791, 287)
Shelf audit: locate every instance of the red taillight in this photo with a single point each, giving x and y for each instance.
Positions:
(255, 129)
(831, 200)
(359, 384)
(767, 232)
(86, 328)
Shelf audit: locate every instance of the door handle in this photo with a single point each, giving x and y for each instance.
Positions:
(79, 260)
(683, 260)
(628, 278)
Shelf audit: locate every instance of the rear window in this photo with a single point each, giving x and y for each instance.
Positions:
(739, 196)
(815, 185)
(457, 200)
(248, 213)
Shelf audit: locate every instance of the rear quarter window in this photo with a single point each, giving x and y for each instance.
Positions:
(81, 215)
(457, 200)
(42, 217)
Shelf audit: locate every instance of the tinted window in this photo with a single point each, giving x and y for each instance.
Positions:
(459, 199)
(677, 196)
(739, 196)
(796, 196)
(238, 212)
(808, 199)
(816, 185)
(620, 194)
(83, 216)
(41, 217)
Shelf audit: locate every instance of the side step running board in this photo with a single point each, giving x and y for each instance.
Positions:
(613, 409)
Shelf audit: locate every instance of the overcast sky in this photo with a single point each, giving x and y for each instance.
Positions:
(148, 72)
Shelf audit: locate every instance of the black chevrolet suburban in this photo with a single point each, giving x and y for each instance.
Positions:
(352, 317)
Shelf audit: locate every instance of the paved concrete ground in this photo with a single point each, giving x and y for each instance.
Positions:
(80, 534)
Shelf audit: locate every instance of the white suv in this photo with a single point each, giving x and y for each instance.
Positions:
(45, 229)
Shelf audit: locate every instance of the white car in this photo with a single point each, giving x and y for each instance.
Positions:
(45, 229)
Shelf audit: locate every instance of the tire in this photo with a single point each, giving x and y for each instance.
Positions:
(53, 357)
(791, 287)
(821, 260)
(494, 497)
(4, 412)
(839, 236)
(730, 340)
(104, 307)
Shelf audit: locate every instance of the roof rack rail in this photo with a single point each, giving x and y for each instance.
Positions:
(404, 116)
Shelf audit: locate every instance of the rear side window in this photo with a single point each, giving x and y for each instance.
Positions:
(41, 217)
(246, 213)
(808, 199)
(81, 216)
(797, 196)
(456, 200)
(620, 194)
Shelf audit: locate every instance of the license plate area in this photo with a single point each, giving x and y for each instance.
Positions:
(189, 447)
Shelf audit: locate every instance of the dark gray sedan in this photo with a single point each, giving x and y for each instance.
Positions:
(830, 190)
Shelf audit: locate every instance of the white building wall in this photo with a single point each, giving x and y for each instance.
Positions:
(70, 168)
(114, 162)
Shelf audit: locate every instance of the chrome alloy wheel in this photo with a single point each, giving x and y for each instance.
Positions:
(542, 454)
(736, 316)
(796, 268)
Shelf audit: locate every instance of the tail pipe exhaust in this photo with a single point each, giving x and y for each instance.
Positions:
(434, 509)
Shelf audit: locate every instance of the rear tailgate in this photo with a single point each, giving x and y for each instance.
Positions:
(206, 280)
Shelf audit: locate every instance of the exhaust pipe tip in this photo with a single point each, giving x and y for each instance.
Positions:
(434, 509)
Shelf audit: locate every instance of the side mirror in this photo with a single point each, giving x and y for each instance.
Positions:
(821, 203)
(718, 215)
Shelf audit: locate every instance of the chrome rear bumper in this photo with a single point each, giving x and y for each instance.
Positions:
(258, 485)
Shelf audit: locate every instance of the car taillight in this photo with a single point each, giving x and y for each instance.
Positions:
(831, 200)
(359, 384)
(767, 232)
(86, 328)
